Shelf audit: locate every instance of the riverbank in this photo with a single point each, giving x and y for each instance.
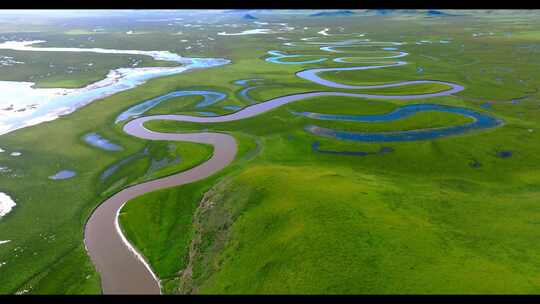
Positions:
(41, 105)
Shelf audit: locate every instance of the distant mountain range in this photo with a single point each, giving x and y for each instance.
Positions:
(430, 13)
(439, 13)
(245, 11)
(382, 11)
(249, 17)
(334, 13)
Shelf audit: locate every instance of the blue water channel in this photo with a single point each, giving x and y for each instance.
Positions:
(210, 98)
(278, 56)
(244, 91)
(244, 82)
(232, 107)
(63, 174)
(98, 141)
(481, 121)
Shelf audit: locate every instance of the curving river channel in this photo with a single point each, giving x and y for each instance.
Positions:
(123, 270)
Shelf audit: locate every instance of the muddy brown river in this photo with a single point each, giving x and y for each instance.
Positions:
(123, 270)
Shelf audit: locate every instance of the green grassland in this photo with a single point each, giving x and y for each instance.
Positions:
(68, 70)
(283, 218)
(359, 225)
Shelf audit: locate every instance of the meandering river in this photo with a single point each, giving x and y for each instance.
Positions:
(125, 272)
(37, 105)
(122, 268)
